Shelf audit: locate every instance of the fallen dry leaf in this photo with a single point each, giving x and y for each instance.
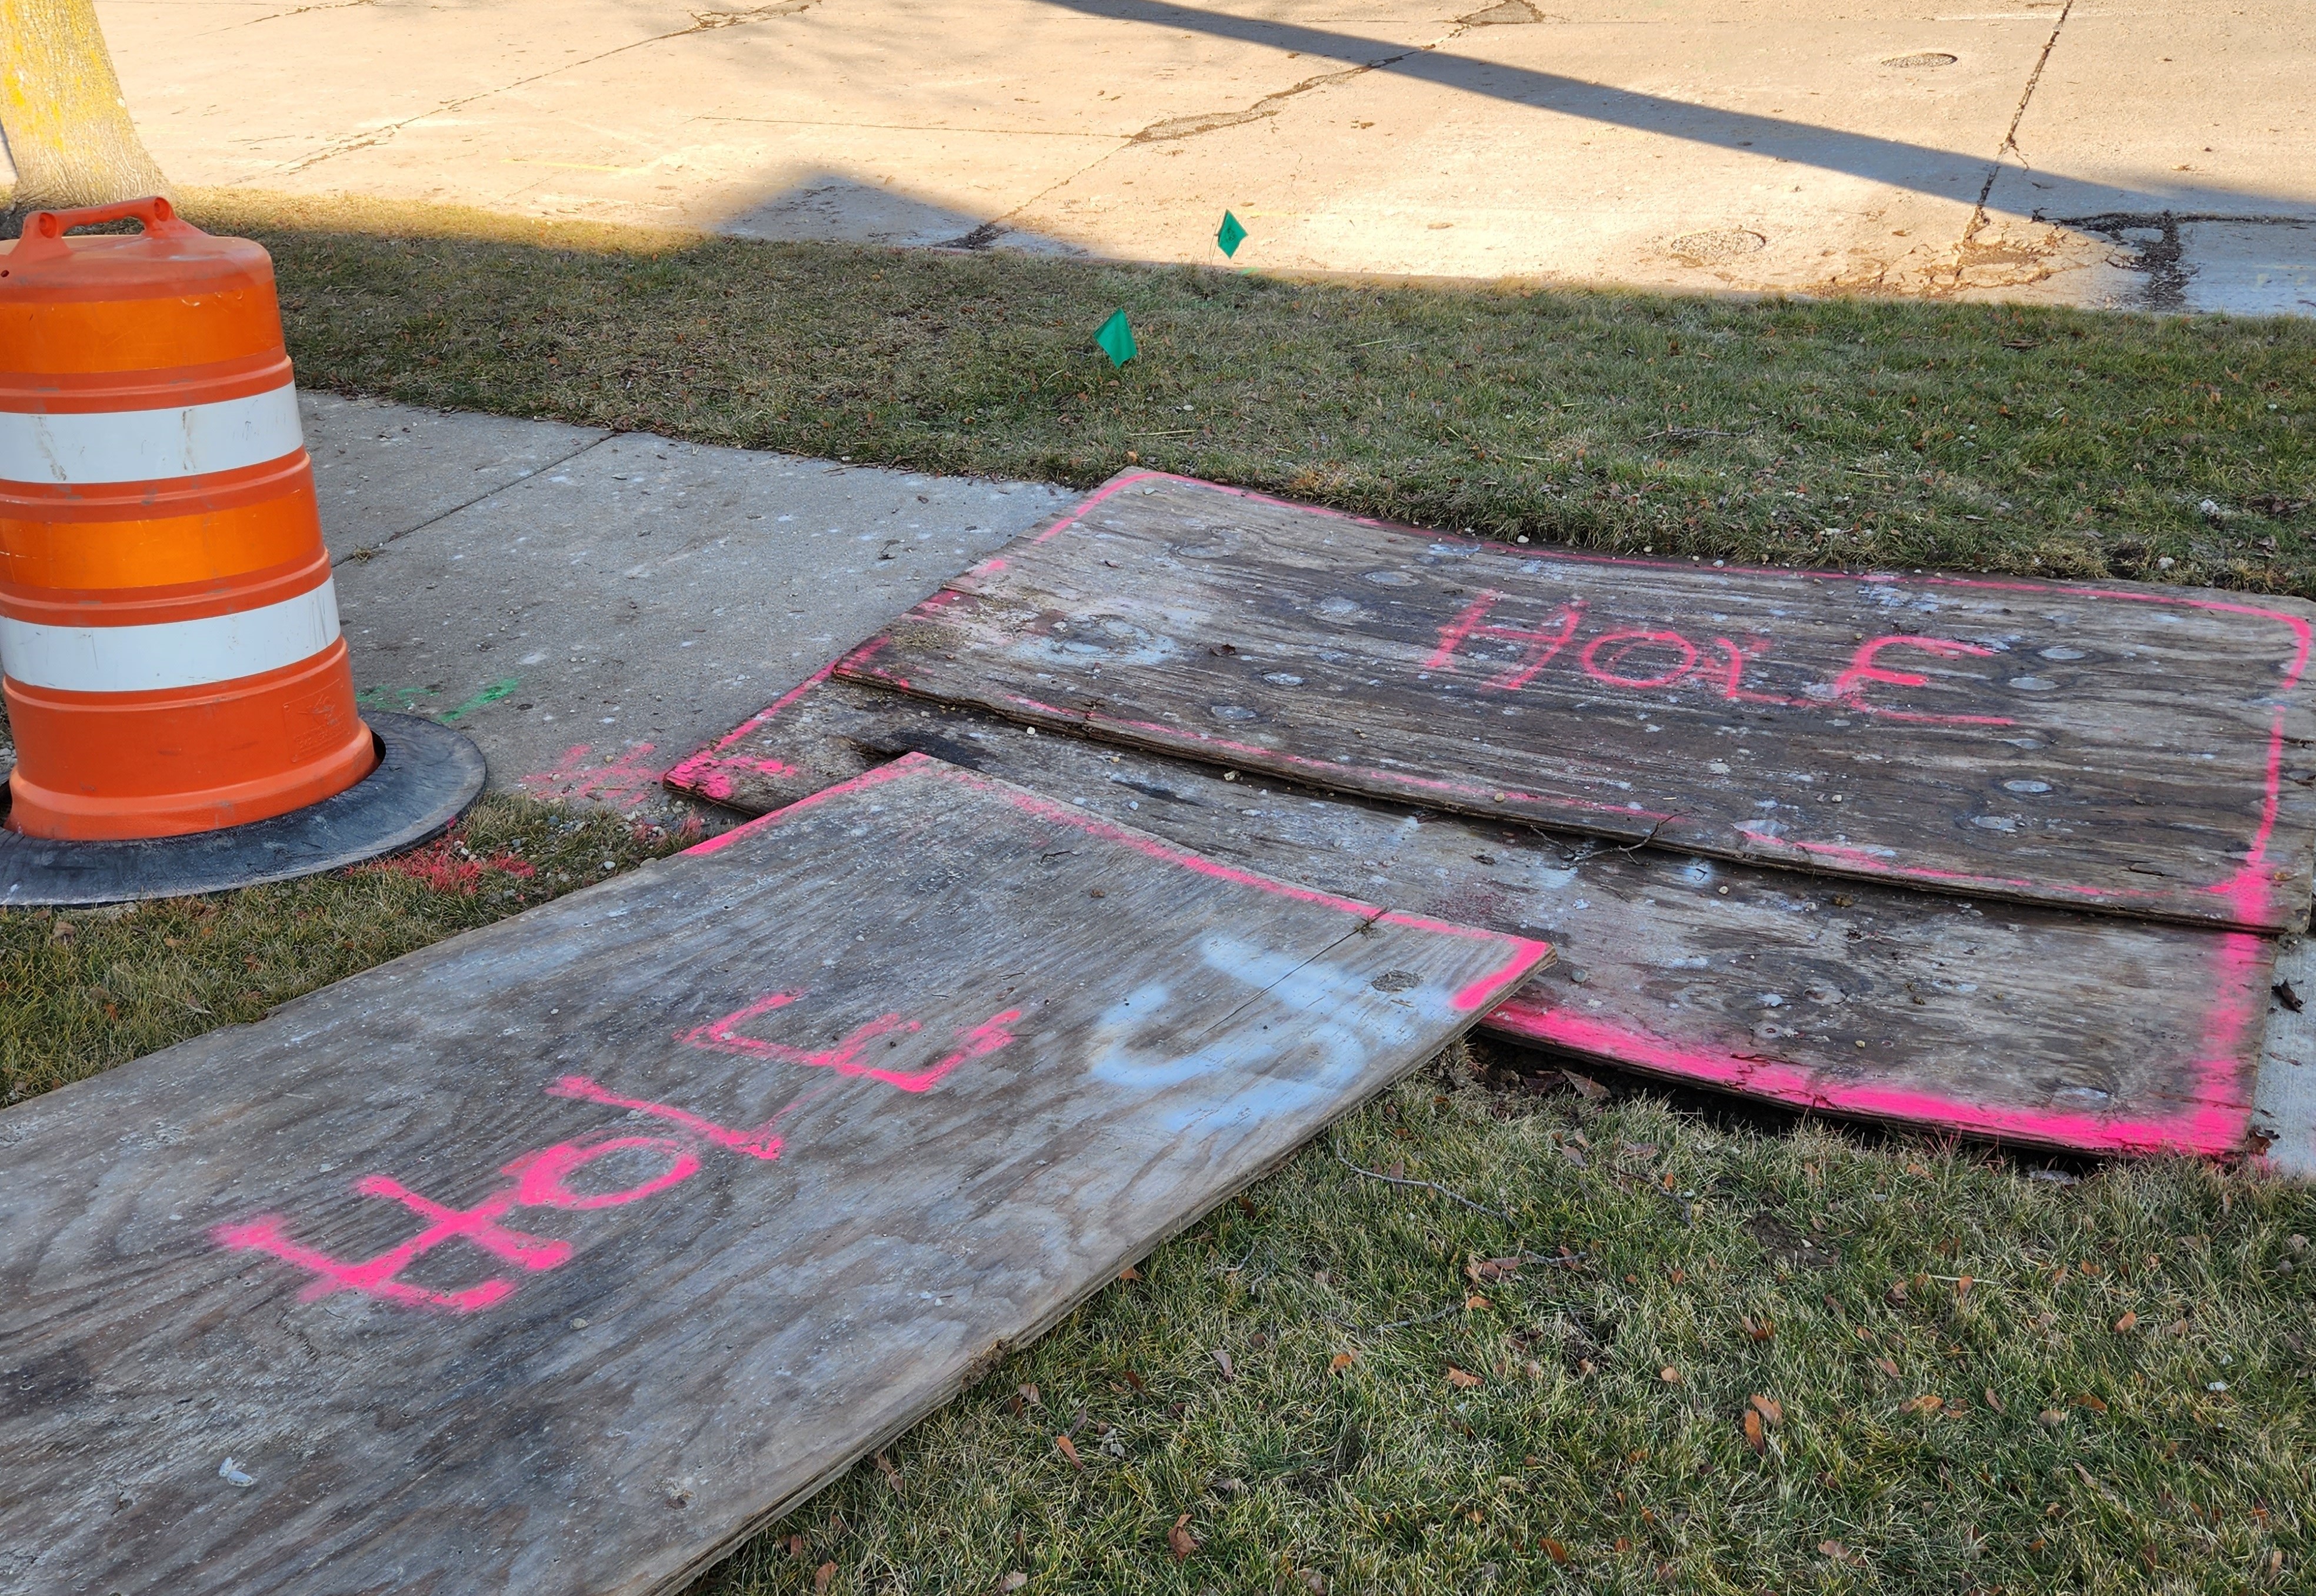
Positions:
(1668, 1375)
(822, 1575)
(2087, 1400)
(1129, 1273)
(1461, 1380)
(1554, 1549)
(1069, 1450)
(1754, 1436)
(1587, 1088)
(1887, 1366)
(1489, 1270)
(1993, 1401)
(1963, 1286)
(1133, 1379)
(1029, 1395)
(1837, 1551)
(1925, 1404)
(1180, 1540)
(1013, 1581)
(1759, 1329)
(1477, 1301)
(2127, 1323)
(797, 1548)
(885, 1466)
(1222, 1358)
(1772, 1411)
(1339, 1362)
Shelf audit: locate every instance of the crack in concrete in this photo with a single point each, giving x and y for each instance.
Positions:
(370, 551)
(1269, 105)
(301, 10)
(702, 22)
(988, 233)
(2010, 145)
(1510, 14)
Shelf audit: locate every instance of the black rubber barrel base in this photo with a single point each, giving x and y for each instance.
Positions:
(426, 776)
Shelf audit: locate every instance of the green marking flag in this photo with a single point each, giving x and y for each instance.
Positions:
(1231, 235)
(1116, 339)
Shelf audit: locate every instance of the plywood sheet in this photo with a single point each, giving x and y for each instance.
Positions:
(2034, 1024)
(555, 1257)
(2141, 750)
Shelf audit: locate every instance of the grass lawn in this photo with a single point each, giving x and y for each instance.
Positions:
(1963, 1374)
(1844, 431)
(1968, 1379)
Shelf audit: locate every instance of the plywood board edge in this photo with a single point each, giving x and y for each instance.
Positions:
(2217, 1122)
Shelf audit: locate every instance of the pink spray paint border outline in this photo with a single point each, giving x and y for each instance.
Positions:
(2246, 895)
(701, 772)
(2217, 1123)
(1523, 956)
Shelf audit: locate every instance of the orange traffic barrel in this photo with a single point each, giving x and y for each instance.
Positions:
(168, 627)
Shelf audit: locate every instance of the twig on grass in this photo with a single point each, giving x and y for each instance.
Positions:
(1452, 1307)
(1236, 1268)
(1375, 1174)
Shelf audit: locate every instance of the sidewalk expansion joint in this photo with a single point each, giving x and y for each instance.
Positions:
(370, 551)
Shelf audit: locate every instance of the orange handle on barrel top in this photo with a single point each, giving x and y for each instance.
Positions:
(44, 231)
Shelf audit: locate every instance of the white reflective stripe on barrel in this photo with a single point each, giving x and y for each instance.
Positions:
(171, 654)
(149, 445)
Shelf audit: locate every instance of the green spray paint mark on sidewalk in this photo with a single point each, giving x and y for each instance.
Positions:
(404, 700)
(489, 695)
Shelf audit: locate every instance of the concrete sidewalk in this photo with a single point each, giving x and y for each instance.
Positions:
(2094, 152)
(590, 607)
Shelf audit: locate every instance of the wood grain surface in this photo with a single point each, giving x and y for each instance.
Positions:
(2034, 1024)
(556, 1257)
(2141, 750)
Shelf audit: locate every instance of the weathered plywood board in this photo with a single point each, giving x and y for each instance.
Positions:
(2283, 1113)
(2143, 750)
(556, 1257)
(2034, 1024)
